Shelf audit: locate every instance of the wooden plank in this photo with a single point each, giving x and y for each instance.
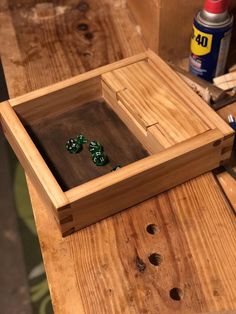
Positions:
(150, 143)
(159, 106)
(143, 179)
(228, 184)
(195, 232)
(147, 16)
(55, 102)
(226, 81)
(56, 37)
(73, 91)
(140, 133)
(31, 159)
(205, 112)
(14, 67)
(95, 270)
(156, 132)
(168, 117)
(154, 16)
(175, 37)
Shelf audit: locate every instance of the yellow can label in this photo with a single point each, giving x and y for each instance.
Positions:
(201, 43)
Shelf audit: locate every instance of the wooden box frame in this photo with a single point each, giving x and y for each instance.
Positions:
(113, 192)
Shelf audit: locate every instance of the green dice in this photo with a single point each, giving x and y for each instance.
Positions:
(81, 139)
(99, 159)
(94, 147)
(73, 146)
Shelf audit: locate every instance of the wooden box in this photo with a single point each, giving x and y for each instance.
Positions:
(148, 120)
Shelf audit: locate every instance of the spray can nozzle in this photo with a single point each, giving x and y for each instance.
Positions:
(216, 6)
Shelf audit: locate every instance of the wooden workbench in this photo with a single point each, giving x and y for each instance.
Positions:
(117, 266)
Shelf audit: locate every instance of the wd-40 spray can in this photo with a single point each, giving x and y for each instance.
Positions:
(211, 37)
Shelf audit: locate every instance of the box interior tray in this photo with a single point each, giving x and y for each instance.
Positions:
(97, 121)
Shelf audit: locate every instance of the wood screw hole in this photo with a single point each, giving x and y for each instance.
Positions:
(152, 228)
(176, 294)
(155, 259)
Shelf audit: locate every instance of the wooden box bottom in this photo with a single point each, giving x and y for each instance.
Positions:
(97, 121)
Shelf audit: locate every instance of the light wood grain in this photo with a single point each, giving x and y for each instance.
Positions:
(187, 93)
(143, 179)
(228, 184)
(30, 158)
(51, 101)
(226, 81)
(170, 40)
(147, 16)
(152, 103)
(62, 96)
(153, 143)
(120, 109)
(95, 269)
(191, 238)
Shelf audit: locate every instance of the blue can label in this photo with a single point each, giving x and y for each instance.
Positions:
(209, 50)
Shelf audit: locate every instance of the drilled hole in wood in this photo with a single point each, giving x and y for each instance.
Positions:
(176, 294)
(152, 228)
(155, 259)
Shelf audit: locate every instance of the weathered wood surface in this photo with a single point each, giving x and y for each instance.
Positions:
(105, 268)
